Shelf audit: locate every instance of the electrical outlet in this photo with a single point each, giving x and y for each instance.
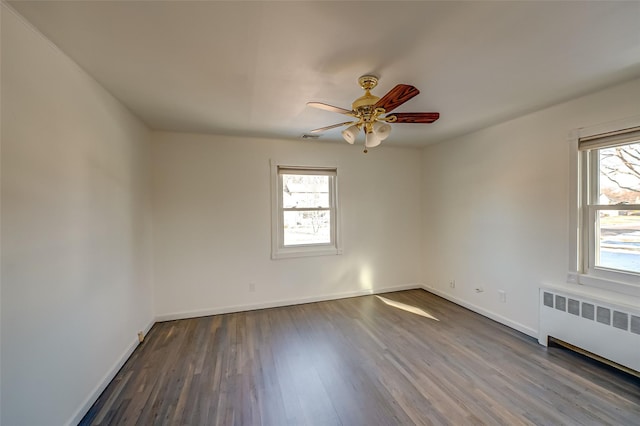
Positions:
(452, 283)
(140, 336)
(252, 287)
(502, 295)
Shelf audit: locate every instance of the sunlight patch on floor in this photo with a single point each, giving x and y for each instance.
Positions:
(408, 308)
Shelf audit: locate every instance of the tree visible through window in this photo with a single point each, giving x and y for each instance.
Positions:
(305, 206)
(306, 209)
(617, 229)
(609, 196)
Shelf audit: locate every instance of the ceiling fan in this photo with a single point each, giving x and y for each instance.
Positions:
(372, 114)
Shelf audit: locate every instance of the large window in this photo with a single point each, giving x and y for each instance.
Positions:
(305, 219)
(609, 194)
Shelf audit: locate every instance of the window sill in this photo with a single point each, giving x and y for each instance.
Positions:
(604, 284)
(292, 252)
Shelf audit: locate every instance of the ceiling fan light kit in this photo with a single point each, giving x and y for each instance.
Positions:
(382, 130)
(371, 140)
(351, 133)
(372, 113)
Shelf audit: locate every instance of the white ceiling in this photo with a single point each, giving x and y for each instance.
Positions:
(248, 68)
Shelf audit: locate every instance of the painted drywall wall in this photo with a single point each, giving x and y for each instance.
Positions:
(496, 206)
(76, 274)
(212, 223)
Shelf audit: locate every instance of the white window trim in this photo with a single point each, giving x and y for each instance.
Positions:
(278, 251)
(579, 273)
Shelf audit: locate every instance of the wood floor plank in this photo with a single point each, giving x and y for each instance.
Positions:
(360, 361)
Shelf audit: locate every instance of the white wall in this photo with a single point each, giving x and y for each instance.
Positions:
(496, 206)
(488, 210)
(212, 223)
(76, 283)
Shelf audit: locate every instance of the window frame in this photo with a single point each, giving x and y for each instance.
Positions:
(584, 210)
(278, 249)
(591, 209)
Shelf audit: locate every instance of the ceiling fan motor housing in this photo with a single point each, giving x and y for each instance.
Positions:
(364, 104)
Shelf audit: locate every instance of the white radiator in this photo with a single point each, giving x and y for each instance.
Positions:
(602, 326)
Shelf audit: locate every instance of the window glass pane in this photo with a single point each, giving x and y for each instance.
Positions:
(619, 240)
(619, 181)
(307, 227)
(303, 191)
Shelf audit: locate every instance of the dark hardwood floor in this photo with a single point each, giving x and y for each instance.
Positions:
(360, 361)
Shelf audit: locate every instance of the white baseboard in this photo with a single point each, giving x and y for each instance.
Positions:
(484, 312)
(280, 303)
(104, 382)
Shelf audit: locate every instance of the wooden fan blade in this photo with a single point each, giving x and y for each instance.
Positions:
(322, 129)
(416, 117)
(331, 108)
(396, 97)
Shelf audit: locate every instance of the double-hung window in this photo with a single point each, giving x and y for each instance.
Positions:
(305, 211)
(609, 206)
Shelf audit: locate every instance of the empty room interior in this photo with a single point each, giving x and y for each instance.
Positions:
(320, 213)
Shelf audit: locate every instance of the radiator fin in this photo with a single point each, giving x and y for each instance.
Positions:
(635, 324)
(603, 315)
(573, 307)
(588, 311)
(548, 299)
(561, 302)
(620, 320)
